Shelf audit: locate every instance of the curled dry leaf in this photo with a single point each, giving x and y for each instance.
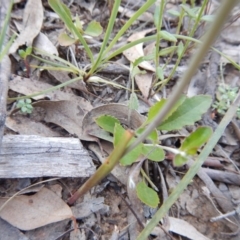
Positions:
(32, 22)
(40, 209)
(119, 111)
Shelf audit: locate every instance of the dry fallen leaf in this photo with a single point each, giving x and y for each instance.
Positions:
(144, 82)
(27, 86)
(32, 22)
(136, 52)
(68, 114)
(30, 212)
(26, 126)
(43, 43)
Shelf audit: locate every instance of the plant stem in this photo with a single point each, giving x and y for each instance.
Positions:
(105, 168)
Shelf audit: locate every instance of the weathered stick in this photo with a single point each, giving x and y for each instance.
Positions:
(25, 156)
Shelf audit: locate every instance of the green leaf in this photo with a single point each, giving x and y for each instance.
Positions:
(22, 53)
(167, 51)
(174, 12)
(189, 11)
(143, 58)
(133, 101)
(24, 109)
(147, 195)
(93, 29)
(187, 113)
(153, 136)
(180, 49)
(28, 51)
(179, 160)
(156, 108)
(168, 36)
(208, 18)
(65, 40)
(132, 156)
(195, 140)
(153, 152)
(159, 73)
(107, 122)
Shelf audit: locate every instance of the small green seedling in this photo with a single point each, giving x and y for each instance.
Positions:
(25, 105)
(24, 54)
(224, 97)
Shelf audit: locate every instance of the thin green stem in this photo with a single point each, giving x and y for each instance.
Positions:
(159, 26)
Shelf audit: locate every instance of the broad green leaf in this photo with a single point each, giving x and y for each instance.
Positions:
(187, 113)
(180, 49)
(93, 29)
(159, 73)
(153, 152)
(132, 156)
(65, 40)
(168, 36)
(133, 101)
(179, 160)
(156, 108)
(147, 195)
(153, 136)
(22, 53)
(28, 51)
(195, 140)
(107, 122)
(167, 51)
